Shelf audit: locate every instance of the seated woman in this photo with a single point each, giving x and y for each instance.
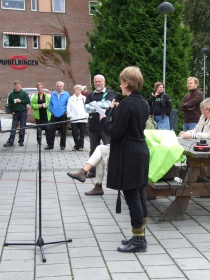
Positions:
(202, 129)
(99, 159)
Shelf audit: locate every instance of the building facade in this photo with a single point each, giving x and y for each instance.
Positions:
(43, 41)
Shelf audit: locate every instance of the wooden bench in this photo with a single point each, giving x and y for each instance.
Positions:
(177, 209)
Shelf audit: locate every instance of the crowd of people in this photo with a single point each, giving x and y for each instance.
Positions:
(124, 155)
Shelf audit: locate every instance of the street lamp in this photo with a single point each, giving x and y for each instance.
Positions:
(165, 8)
(205, 52)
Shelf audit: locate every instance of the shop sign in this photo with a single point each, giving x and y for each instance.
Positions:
(19, 62)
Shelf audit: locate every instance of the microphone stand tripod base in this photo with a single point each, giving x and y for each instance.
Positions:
(40, 242)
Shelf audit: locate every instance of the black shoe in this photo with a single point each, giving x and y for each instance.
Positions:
(21, 144)
(91, 175)
(62, 148)
(136, 245)
(127, 241)
(8, 145)
(48, 148)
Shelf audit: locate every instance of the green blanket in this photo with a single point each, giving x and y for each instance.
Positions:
(165, 151)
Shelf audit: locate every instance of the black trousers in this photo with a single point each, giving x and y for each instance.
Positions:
(95, 139)
(78, 133)
(52, 130)
(43, 120)
(137, 204)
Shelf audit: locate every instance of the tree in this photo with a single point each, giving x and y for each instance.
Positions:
(198, 18)
(130, 32)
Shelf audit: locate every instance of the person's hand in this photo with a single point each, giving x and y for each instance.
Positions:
(185, 135)
(113, 104)
(181, 133)
(18, 100)
(40, 105)
(190, 109)
(101, 117)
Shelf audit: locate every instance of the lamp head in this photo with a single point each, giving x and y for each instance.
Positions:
(165, 8)
(205, 51)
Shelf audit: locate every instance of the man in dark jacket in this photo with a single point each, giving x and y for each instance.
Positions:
(190, 104)
(17, 102)
(95, 130)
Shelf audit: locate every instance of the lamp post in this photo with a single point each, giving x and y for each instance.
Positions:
(165, 8)
(205, 52)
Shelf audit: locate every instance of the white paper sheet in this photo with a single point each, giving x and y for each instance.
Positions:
(98, 109)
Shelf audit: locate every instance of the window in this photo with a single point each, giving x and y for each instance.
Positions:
(13, 4)
(93, 7)
(58, 6)
(15, 41)
(35, 42)
(34, 5)
(59, 42)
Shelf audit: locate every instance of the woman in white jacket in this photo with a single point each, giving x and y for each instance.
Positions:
(78, 116)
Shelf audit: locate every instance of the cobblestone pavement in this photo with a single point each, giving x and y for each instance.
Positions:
(176, 250)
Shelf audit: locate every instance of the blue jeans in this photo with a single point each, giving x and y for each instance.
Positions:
(16, 118)
(162, 122)
(189, 126)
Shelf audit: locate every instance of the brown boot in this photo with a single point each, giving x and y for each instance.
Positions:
(80, 175)
(97, 190)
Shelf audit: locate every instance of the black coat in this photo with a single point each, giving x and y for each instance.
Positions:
(129, 155)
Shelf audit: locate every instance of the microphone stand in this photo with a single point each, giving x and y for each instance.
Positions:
(40, 241)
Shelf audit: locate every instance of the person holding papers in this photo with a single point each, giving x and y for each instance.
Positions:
(96, 134)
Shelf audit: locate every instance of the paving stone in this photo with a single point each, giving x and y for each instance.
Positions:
(184, 253)
(193, 263)
(17, 276)
(53, 270)
(162, 259)
(91, 273)
(164, 272)
(129, 276)
(198, 274)
(17, 266)
(124, 266)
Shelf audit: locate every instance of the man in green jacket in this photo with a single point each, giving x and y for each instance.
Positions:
(17, 102)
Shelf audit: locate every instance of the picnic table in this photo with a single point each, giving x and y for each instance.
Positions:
(193, 180)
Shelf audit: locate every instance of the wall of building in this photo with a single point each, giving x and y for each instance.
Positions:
(76, 20)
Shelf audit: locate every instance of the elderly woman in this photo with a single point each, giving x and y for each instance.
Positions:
(202, 129)
(76, 111)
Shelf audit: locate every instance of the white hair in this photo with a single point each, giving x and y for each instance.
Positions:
(59, 82)
(99, 76)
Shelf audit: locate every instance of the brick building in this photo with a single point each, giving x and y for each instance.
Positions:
(34, 32)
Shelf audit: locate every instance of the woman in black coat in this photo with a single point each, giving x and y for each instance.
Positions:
(129, 155)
